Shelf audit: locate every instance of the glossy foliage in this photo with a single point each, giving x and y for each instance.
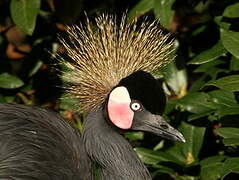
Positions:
(202, 83)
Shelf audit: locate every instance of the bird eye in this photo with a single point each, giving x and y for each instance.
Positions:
(135, 106)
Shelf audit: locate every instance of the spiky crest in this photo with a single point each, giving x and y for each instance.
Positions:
(104, 54)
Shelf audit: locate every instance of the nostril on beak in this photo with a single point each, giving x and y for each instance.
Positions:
(164, 126)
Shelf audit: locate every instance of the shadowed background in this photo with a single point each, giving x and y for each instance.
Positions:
(202, 84)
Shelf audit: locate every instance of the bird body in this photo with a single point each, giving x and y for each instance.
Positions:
(36, 143)
(109, 73)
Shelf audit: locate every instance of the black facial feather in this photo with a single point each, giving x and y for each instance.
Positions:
(142, 86)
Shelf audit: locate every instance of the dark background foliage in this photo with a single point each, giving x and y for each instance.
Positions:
(202, 84)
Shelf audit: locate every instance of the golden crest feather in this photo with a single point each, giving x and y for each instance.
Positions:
(103, 54)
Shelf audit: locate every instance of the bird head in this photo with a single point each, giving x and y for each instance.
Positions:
(136, 104)
(110, 63)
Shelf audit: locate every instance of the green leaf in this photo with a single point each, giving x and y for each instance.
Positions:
(149, 156)
(230, 135)
(230, 142)
(230, 41)
(159, 146)
(221, 23)
(186, 178)
(176, 79)
(234, 64)
(134, 136)
(211, 69)
(24, 13)
(8, 81)
(200, 115)
(211, 168)
(225, 102)
(223, 98)
(229, 83)
(209, 55)
(201, 6)
(227, 111)
(199, 30)
(196, 102)
(216, 167)
(36, 68)
(161, 169)
(232, 11)
(96, 171)
(198, 84)
(141, 8)
(188, 152)
(212, 160)
(230, 165)
(163, 11)
(68, 103)
(194, 138)
(209, 66)
(227, 132)
(9, 99)
(2, 99)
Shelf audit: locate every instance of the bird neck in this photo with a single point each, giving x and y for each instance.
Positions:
(110, 150)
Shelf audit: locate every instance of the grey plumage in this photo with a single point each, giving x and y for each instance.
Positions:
(39, 144)
(111, 151)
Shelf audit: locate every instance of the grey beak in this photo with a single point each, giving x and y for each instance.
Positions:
(146, 121)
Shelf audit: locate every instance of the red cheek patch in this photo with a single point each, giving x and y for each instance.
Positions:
(119, 111)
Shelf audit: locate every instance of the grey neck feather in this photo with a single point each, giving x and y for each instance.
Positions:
(111, 151)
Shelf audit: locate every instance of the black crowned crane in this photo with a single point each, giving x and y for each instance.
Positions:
(109, 73)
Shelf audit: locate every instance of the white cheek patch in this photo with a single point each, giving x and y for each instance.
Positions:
(120, 95)
(118, 107)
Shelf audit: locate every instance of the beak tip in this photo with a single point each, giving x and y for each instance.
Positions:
(181, 138)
